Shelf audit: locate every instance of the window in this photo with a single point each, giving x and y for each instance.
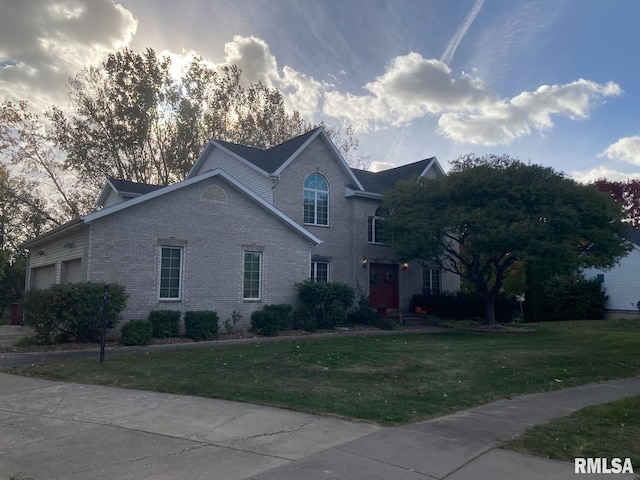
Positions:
(252, 279)
(320, 271)
(430, 281)
(170, 273)
(316, 200)
(376, 225)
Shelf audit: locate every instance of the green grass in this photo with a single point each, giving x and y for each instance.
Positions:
(611, 430)
(389, 379)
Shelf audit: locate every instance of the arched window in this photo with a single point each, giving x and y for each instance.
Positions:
(316, 200)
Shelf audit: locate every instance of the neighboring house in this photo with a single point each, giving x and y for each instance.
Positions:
(243, 228)
(622, 282)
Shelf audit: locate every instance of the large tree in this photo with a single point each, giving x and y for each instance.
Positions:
(491, 213)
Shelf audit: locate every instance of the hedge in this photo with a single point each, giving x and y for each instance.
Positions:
(72, 311)
(202, 325)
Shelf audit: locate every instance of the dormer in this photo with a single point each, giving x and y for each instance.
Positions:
(117, 191)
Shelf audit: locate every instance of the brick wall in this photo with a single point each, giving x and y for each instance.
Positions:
(124, 248)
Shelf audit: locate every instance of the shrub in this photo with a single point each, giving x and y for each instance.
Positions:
(72, 311)
(364, 314)
(230, 323)
(329, 302)
(304, 319)
(573, 297)
(461, 306)
(271, 319)
(136, 332)
(202, 325)
(165, 323)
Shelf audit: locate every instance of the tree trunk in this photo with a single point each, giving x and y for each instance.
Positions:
(489, 310)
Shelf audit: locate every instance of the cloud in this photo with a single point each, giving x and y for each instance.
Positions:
(411, 87)
(301, 92)
(589, 176)
(42, 43)
(506, 120)
(626, 149)
(253, 57)
(470, 111)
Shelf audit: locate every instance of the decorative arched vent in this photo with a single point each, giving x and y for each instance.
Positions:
(216, 194)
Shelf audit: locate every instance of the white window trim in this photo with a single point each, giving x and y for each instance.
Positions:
(315, 202)
(374, 238)
(261, 264)
(314, 270)
(431, 270)
(180, 278)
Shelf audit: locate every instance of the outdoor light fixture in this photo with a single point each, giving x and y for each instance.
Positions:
(68, 245)
(405, 266)
(364, 262)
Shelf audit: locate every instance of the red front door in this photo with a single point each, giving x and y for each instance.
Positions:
(383, 285)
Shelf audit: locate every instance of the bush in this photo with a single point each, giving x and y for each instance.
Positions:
(304, 319)
(72, 311)
(136, 332)
(572, 297)
(165, 323)
(271, 319)
(202, 325)
(364, 314)
(461, 306)
(329, 302)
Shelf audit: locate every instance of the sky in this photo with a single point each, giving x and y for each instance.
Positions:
(551, 82)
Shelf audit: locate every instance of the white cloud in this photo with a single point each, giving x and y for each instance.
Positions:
(45, 42)
(470, 111)
(589, 176)
(411, 87)
(301, 92)
(506, 120)
(253, 57)
(626, 149)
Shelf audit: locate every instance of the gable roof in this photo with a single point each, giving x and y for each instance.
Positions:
(378, 182)
(274, 160)
(213, 173)
(159, 191)
(125, 189)
(271, 159)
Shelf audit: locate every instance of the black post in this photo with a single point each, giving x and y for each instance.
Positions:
(103, 333)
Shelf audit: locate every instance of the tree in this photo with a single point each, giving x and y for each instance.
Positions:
(626, 194)
(133, 120)
(492, 212)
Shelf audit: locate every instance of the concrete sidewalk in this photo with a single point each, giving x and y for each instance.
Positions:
(461, 446)
(53, 430)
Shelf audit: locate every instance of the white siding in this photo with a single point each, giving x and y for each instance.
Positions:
(54, 254)
(622, 282)
(112, 199)
(245, 174)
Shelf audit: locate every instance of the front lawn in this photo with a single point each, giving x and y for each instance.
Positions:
(611, 430)
(388, 379)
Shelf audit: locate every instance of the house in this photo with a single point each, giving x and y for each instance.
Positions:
(622, 282)
(239, 232)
